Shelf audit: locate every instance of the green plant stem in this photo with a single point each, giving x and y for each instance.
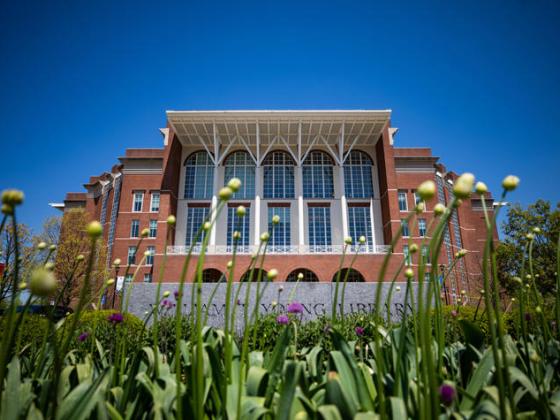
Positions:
(335, 300)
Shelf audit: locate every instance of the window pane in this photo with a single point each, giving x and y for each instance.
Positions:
(154, 206)
(150, 257)
(319, 226)
(131, 255)
(280, 233)
(278, 174)
(406, 252)
(317, 172)
(359, 224)
(239, 224)
(199, 176)
(153, 228)
(404, 224)
(241, 165)
(422, 227)
(195, 218)
(403, 205)
(138, 199)
(134, 229)
(357, 175)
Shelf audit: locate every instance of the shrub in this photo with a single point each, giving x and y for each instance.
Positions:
(166, 333)
(30, 332)
(96, 323)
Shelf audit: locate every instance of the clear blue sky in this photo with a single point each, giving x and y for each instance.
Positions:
(81, 81)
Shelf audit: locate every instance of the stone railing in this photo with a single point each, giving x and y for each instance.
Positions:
(280, 249)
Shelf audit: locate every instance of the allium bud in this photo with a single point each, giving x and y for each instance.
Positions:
(80, 257)
(241, 211)
(419, 209)
(41, 246)
(22, 285)
(362, 240)
(348, 240)
(272, 274)
(537, 230)
(110, 282)
(42, 283)
(463, 292)
(171, 220)
(166, 293)
(513, 300)
(12, 197)
(225, 193)
(206, 226)
(94, 229)
(7, 209)
(275, 219)
(117, 262)
(236, 235)
(234, 184)
(518, 280)
(265, 236)
(461, 253)
(463, 186)
(413, 248)
(229, 264)
(300, 276)
(145, 233)
(398, 288)
(510, 182)
(409, 273)
(439, 209)
(52, 247)
(49, 265)
(481, 188)
(530, 236)
(426, 190)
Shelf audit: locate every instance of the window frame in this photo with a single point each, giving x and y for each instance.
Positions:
(134, 201)
(134, 228)
(405, 193)
(153, 228)
(154, 194)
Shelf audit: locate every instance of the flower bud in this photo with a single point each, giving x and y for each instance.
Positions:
(166, 293)
(461, 253)
(300, 276)
(463, 292)
(439, 209)
(281, 289)
(206, 226)
(52, 247)
(236, 235)
(481, 188)
(362, 240)
(241, 211)
(409, 274)
(41, 246)
(42, 282)
(94, 229)
(265, 236)
(234, 184)
(229, 264)
(49, 265)
(537, 230)
(145, 233)
(7, 209)
(22, 285)
(110, 282)
(419, 209)
(275, 219)
(398, 288)
(463, 186)
(171, 220)
(510, 182)
(538, 310)
(426, 190)
(12, 197)
(225, 193)
(272, 274)
(117, 262)
(513, 300)
(348, 240)
(518, 280)
(413, 248)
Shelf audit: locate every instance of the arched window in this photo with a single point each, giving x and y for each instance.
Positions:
(245, 277)
(241, 165)
(199, 176)
(308, 275)
(211, 275)
(354, 276)
(317, 174)
(357, 175)
(278, 173)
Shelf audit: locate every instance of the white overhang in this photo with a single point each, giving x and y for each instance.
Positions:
(298, 131)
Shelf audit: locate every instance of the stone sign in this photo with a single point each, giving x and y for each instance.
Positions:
(316, 298)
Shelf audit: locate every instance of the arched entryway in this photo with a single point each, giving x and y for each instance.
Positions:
(354, 276)
(308, 275)
(245, 277)
(212, 275)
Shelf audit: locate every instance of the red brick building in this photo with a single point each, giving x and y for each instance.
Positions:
(327, 174)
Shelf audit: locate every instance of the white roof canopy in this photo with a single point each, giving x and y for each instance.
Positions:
(298, 131)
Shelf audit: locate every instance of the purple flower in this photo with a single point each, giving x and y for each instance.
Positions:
(83, 337)
(164, 302)
(239, 301)
(115, 318)
(447, 394)
(295, 308)
(176, 293)
(283, 319)
(359, 331)
(454, 313)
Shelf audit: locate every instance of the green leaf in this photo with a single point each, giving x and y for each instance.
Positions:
(257, 381)
(478, 380)
(398, 408)
(288, 390)
(329, 412)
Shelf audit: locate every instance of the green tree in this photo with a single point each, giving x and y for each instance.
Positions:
(510, 252)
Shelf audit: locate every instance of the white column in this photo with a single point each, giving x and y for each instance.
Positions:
(343, 205)
(213, 206)
(373, 242)
(299, 190)
(258, 193)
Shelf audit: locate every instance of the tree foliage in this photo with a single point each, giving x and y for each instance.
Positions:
(510, 253)
(70, 270)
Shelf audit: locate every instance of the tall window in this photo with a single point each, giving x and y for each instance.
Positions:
(422, 227)
(128, 278)
(308, 275)
(407, 257)
(317, 172)
(359, 224)
(137, 202)
(199, 176)
(404, 225)
(426, 254)
(195, 218)
(151, 250)
(147, 277)
(153, 228)
(239, 224)
(280, 233)
(134, 228)
(357, 175)
(154, 202)
(278, 174)
(241, 165)
(319, 226)
(403, 205)
(131, 255)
